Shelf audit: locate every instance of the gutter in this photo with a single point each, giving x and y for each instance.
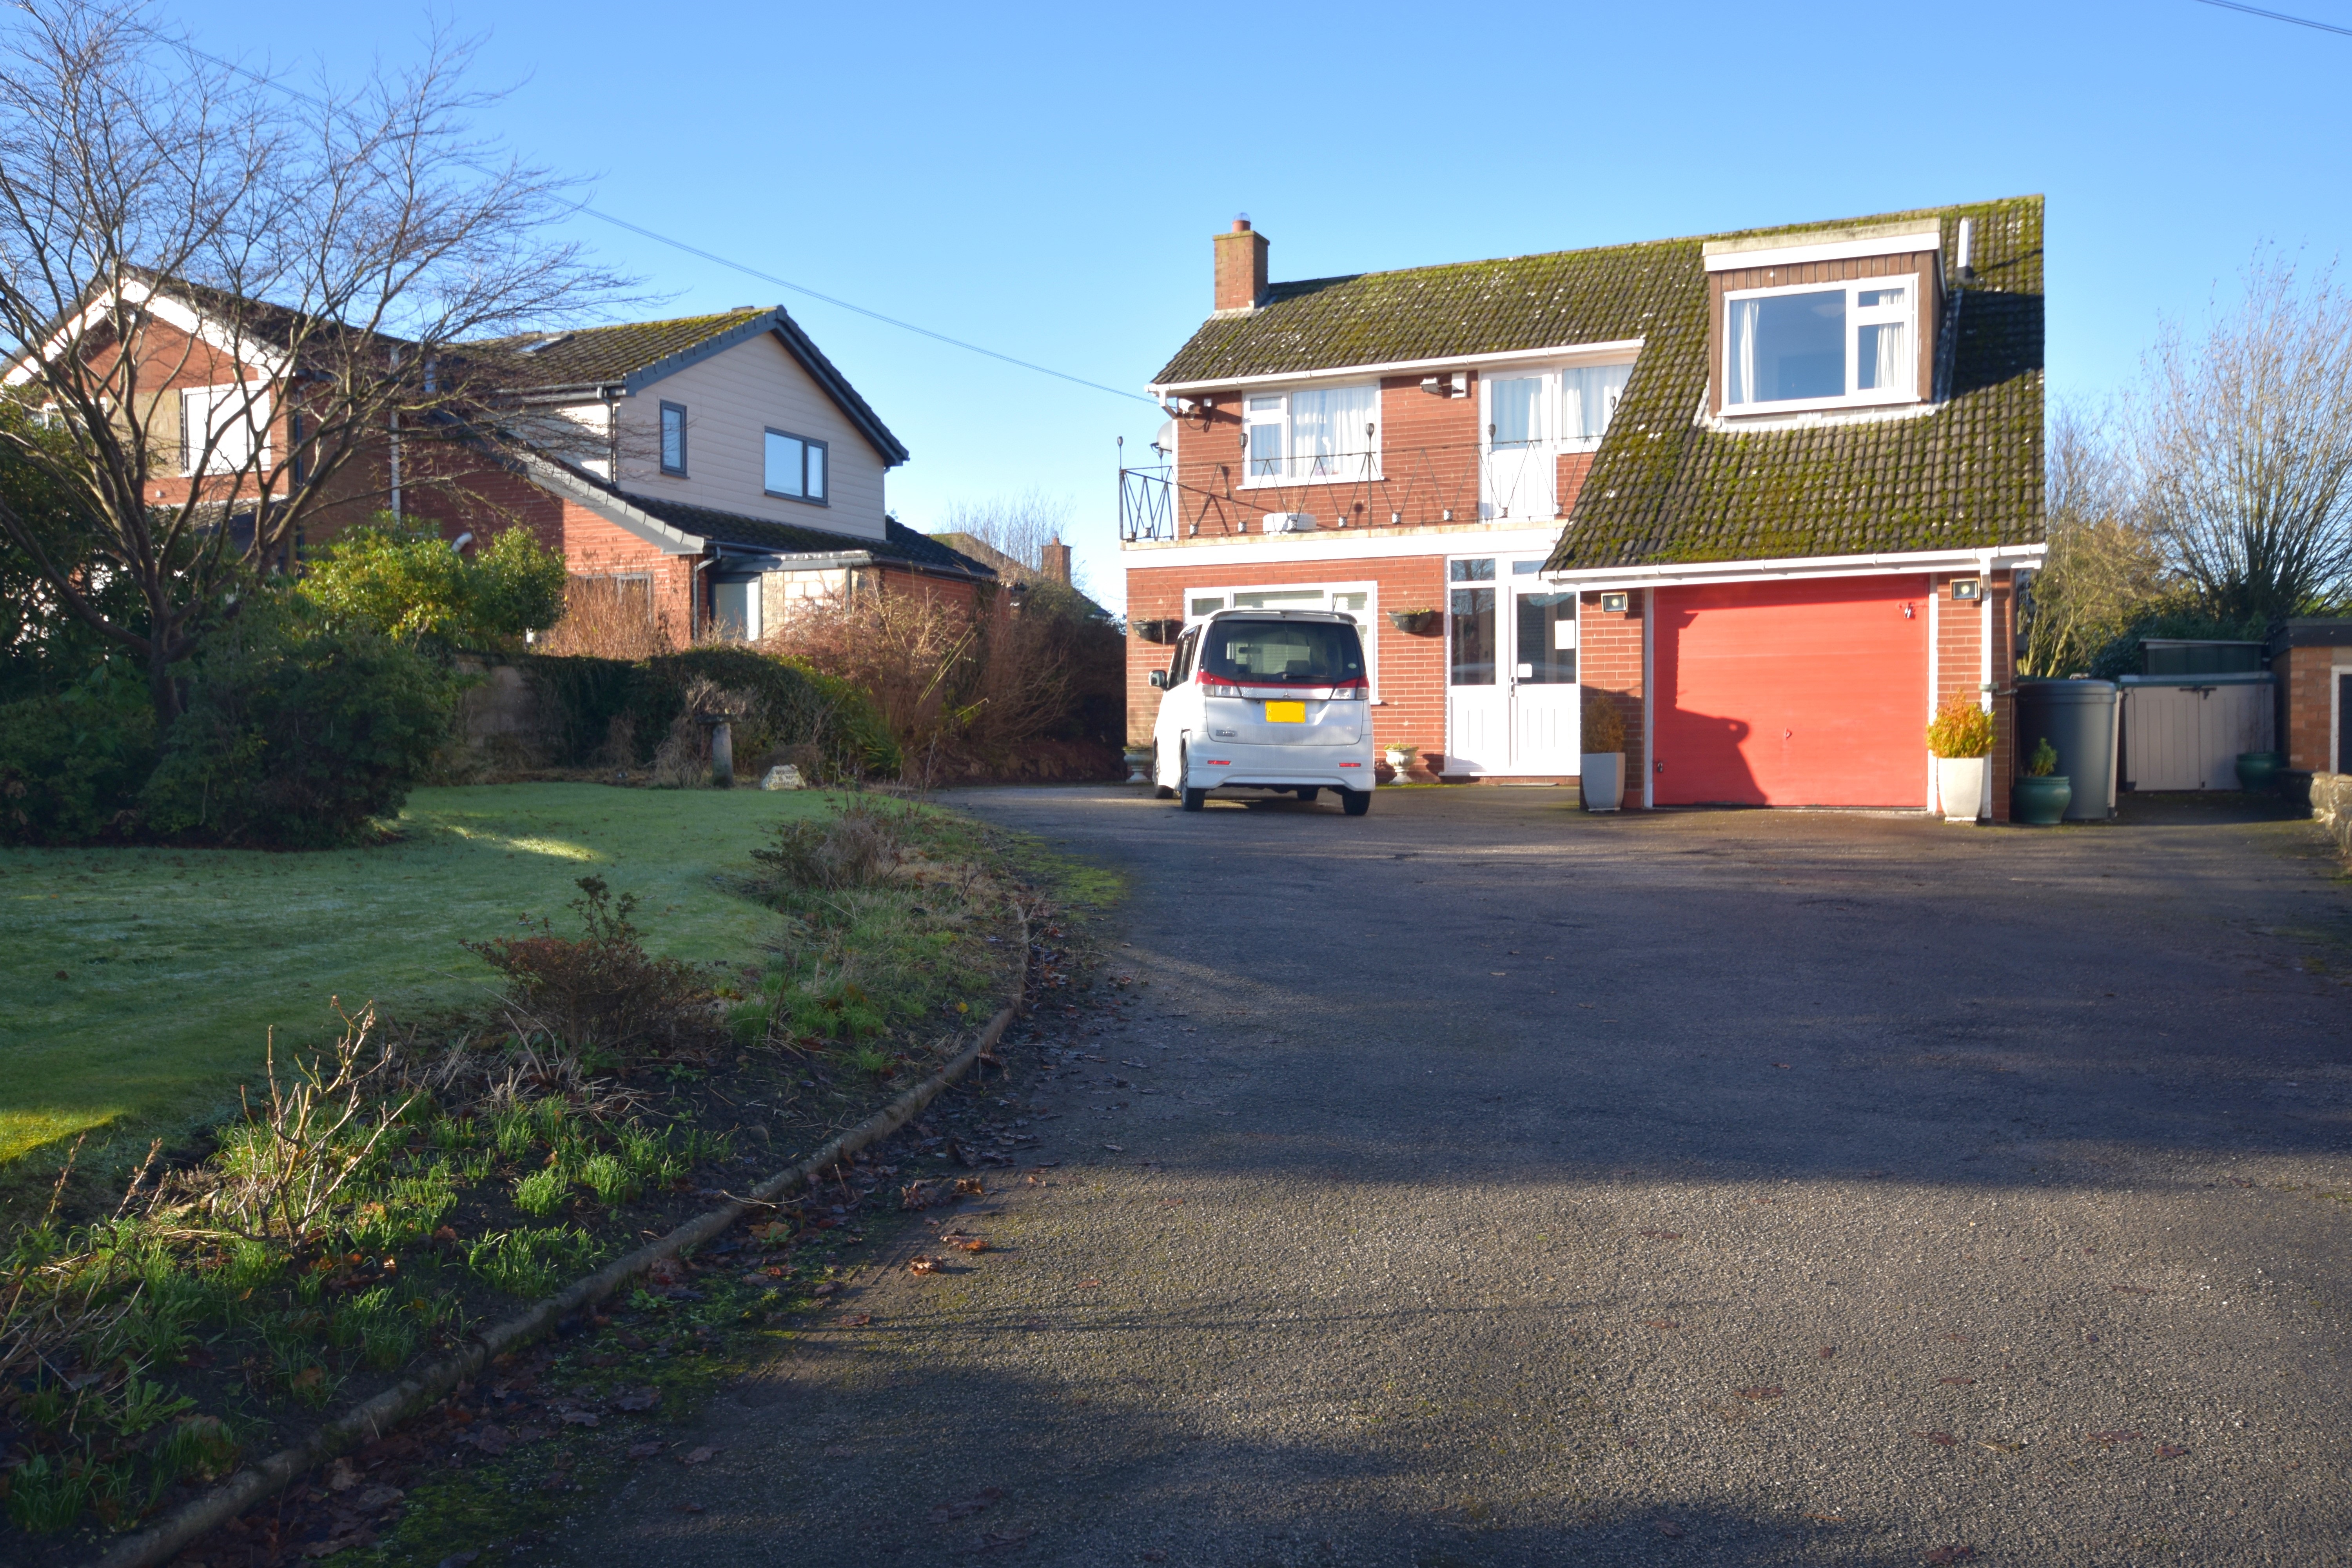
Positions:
(1792, 568)
(1404, 366)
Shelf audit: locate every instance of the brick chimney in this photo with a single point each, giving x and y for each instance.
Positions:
(1241, 267)
(1053, 559)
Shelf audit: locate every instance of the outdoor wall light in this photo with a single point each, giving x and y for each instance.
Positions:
(1612, 604)
(1966, 590)
(1908, 612)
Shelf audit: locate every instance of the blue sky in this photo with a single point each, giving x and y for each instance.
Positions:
(1044, 180)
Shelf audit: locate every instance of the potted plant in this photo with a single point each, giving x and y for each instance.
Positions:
(1960, 736)
(1420, 620)
(2258, 770)
(1603, 759)
(1138, 759)
(2042, 793)
(1400, 760)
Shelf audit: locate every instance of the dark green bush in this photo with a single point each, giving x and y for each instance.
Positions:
(72, 761)
(296, 736)
(795, 705)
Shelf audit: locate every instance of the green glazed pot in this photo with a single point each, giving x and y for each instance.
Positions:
(2258, 770)
(2040, 802)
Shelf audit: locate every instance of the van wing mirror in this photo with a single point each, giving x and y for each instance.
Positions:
(1159, 681)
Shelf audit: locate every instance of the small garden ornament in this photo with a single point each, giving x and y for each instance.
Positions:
(1400, 760)
(1960, 737)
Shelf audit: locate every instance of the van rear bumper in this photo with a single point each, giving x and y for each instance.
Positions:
(1230, 766)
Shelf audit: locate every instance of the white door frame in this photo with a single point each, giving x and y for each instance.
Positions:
(1499, 717)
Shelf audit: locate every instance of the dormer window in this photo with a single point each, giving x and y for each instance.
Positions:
(1811, 346)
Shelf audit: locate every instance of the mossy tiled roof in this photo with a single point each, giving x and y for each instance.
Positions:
(1666, 486)
(597, 355)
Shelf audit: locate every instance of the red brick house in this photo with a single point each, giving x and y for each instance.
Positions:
(720, 465)
(1767, 490)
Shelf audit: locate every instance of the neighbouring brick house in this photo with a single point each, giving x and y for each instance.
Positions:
(1769, 491)
(2312, 660)
(720, 466)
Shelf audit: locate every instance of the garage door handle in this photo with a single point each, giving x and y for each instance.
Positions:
(1788, 734)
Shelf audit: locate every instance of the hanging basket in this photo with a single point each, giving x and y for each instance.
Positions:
(1417, 623)
(1160, 631)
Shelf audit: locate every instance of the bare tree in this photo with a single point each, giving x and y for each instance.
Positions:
(2243, 446)
(1019, 525)
(2104, 568)
(228, 293)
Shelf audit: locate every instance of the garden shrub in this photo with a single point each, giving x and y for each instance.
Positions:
(408, 583)
(296, 735)
(601, 990)
(72, 761)
(618, 711)
(858, 846)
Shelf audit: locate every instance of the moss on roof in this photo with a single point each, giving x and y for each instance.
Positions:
(1665, 486)
(597, 354)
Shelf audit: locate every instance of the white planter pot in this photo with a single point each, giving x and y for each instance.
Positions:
(1603, 779)
(1400, 763)
(1961, 787)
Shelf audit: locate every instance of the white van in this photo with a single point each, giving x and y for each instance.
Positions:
(1265, 700)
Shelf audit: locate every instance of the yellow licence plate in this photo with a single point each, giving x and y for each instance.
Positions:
(1285, 712)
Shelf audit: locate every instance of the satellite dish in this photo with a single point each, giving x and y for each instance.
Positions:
(1165, 439)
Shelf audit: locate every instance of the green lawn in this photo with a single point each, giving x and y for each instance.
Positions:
(137, 986)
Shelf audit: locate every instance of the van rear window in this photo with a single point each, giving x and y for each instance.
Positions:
(1305, 653)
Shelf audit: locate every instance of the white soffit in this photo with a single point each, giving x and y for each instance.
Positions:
(1830, 245)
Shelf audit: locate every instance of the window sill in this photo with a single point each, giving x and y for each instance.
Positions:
(1264, 484)
(1817, 405)
(805, 501)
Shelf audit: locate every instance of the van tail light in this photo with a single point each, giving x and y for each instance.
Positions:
(1218, 686)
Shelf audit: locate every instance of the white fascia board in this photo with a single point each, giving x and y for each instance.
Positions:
(558, 480)
(173, 311)
(1335, 546)
(1908, 243)
(2004, 557)
(1562, 354)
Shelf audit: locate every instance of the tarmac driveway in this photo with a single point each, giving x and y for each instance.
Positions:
(1482, 1183)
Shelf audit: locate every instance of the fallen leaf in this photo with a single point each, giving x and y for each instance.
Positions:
(1999, 1447)
(1663, 1234)
(1116, 1148)
(446, 1233)
(2170, 1451)
(636, 1398)
(971, 1187)
(1956, 1381)
(1941, 1439)
(689, 1508)
(828, 1289)
(340, 1477)
(861, 1320)
(966, 1243)
(310, 1377)
(2112, 1439)
(646, 1450)
(922, 1263)
(698, 1456)
(375, 1499)
(1088, 1284)
(1950, 1555)
(1828, 1351)
(582, 1419)
(1668, 1527)
(1760, 1393)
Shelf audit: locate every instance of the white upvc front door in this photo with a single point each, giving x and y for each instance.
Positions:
(1511, 691)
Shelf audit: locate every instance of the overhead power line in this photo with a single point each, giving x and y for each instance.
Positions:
(718, 260)
(2278, 16)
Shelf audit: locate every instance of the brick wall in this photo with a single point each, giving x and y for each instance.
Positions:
(2307, 675)
(1428, 466)
(1609, 663)
(1959, 668)
(1412, 710)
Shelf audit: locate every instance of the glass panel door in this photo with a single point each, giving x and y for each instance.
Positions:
(1477, 736)
(1545, 696)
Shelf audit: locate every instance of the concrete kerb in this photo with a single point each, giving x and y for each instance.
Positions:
(373, 1417)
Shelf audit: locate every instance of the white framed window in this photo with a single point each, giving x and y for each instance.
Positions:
(225, 429)
(1818, 345)
(1360, 602)
(1317, 435)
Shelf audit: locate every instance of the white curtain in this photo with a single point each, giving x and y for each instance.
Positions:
(1589, 395)
(1741, 318)
(1518, 410)
(1882, 360)
(1329, 435)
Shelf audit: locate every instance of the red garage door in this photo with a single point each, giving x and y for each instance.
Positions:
(1792, 693)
